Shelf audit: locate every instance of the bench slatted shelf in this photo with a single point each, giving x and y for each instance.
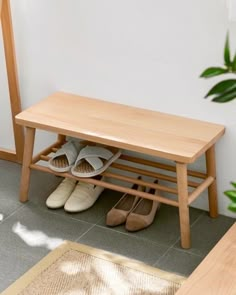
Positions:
(175, 139)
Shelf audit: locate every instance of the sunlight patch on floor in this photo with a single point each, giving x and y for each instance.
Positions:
(36, 238)
(70, 267)
(93, 273)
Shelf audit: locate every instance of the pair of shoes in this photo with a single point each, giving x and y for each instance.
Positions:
(143, 214)
(83, 160)
(64, 158)
(137, 213)
(74, 196)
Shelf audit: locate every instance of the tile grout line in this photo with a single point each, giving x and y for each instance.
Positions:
(130, 236)
(44, 210)
(15, 211)
(123, 233)
(197, 219)
(161, 256)
(178, 239)
(91, 227)
(65, 216)
(54, 212)
(191, 253)
(141, 238)
(97, 223)
(177, 249)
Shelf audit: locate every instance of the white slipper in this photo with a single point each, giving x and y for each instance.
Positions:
(65, 157)
(83, 197)
(58, 198)
(93, 160)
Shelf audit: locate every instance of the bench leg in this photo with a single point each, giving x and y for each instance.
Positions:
(27, 159)
(61, 138)
(212, 189)
(182, 182)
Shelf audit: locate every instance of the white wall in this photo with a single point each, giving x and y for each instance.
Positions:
(6, 134)
(146, 53)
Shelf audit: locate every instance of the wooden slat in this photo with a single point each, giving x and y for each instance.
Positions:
(46, 151)
(44, 158)
(143, 172)
(160, 165)
(151, 174)
(205, 184)
(109, 186)
(141, 182)
(14, 93)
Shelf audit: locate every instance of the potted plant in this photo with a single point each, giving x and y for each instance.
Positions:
(223, 92)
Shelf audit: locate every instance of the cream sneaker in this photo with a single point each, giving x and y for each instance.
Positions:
(58, 198)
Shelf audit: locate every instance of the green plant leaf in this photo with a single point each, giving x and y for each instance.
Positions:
(232, 207)
(233, 184)
(213, 71)
(231, 194)
(227, 52)
(234, 64)
(222, 87)
(225, 97)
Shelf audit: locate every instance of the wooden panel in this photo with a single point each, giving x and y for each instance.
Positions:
(168, 136)
(0, 9)
(216, 274)
(12, 76)
(8, 155)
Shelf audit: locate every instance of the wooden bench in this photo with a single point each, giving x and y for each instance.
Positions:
(177, 139)
(216, 274)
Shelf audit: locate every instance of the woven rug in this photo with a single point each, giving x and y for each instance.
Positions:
(74, 269)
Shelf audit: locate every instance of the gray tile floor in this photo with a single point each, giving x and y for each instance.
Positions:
(28, 231)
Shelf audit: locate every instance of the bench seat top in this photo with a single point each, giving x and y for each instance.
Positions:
(150, 132)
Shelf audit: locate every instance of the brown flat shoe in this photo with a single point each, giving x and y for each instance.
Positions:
(118, 214)
(143, 214)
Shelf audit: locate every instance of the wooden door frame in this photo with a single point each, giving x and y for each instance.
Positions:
(14, 93)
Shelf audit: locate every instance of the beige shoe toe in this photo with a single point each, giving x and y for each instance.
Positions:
(118, 214)
(58, 198)
(143, 214)
(135, 223)
(116, 217)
